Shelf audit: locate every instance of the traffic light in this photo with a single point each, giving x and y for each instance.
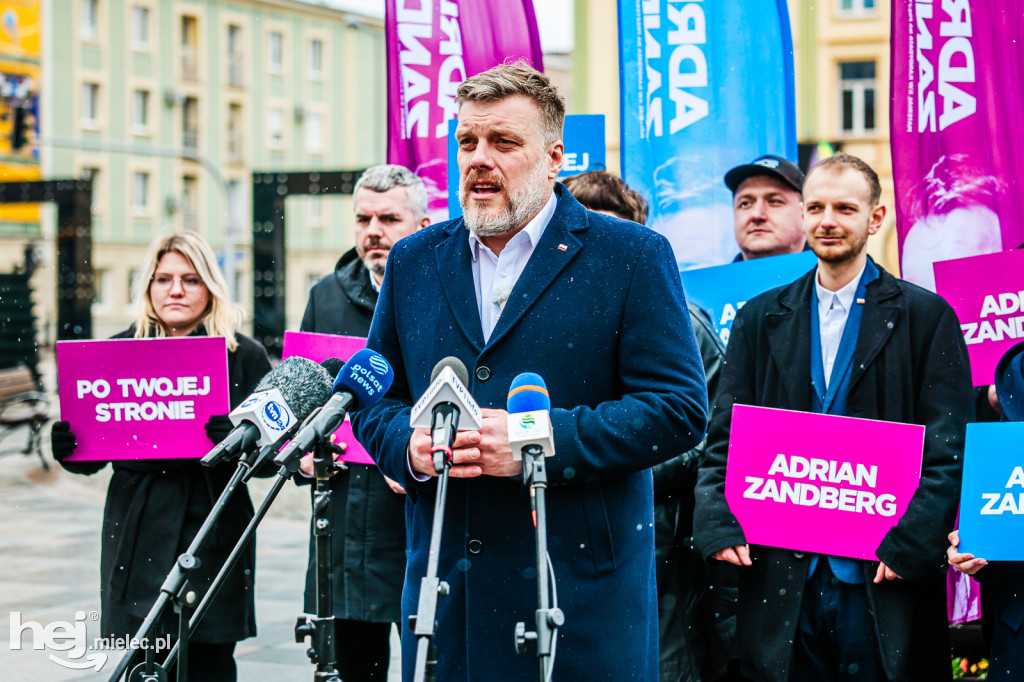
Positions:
(19, 128)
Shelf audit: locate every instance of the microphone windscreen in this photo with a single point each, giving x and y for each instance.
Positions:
(528, 393)
(367, 376)
(457, 366)
(333, 366)
(304, 384)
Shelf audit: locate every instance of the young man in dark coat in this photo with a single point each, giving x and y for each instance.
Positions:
(900, 357)
(368, 545)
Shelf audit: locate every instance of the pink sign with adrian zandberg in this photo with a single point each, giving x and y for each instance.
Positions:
(319, 347)
(987, 293)
(142, 398)
(820, 483)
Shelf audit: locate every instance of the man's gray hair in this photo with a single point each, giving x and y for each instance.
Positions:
(387, 176)
(508, 80)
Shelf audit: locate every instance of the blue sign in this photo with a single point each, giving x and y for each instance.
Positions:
(704, 87)
(584, 151)
(992, 497)
(723, 289)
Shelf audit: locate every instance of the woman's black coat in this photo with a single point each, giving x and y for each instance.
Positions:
(154, 509)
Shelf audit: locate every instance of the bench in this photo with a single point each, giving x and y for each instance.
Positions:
(23, 404)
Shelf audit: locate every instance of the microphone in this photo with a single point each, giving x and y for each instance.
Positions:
(332, 366)
(529, 415)
(364, 380)
(282, 399)
(443, 406)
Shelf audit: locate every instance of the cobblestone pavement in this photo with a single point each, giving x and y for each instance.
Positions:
(49, 571)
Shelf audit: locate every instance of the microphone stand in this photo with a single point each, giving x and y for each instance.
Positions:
(548, 617)
(283, 475)
(323, 648)
(176, 590)
(424, 622)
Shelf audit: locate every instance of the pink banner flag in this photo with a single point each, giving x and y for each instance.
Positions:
(432, 47)
(817, 482)
(142, 398)
(957, 140)
(319, 347)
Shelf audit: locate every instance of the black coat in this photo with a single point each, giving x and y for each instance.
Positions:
(153, 511)
(368, 517)
(910, 365)
(1002, 593)
(690, 649)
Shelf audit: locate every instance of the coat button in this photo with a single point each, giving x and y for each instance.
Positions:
(475, 546)
(483, 373)
(798, 555)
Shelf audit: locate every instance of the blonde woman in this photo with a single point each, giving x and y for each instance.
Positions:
(155, 507)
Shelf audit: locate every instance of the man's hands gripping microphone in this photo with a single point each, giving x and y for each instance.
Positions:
(474, 453)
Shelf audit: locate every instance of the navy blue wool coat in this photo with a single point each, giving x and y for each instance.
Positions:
(599, 312)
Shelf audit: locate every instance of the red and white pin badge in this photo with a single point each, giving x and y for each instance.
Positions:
(562, 247)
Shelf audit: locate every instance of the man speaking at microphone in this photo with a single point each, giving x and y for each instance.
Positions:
(530, 281)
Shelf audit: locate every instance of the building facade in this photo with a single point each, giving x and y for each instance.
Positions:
(169, 106)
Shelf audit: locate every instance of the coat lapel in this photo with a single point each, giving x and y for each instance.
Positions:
(881, 315)
(455, 271)
(788, 327)
(557, 247)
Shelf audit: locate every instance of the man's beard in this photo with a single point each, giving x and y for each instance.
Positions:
(372, 264)
(521, 204)
(854, 246)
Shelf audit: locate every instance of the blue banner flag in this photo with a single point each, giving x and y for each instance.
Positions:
(992, 496)
(722, 290)
(584, 142)
(705, 86)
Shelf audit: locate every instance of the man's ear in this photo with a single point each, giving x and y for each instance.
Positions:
(556, 153)
(877, 217)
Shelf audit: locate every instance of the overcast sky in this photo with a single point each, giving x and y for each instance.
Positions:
(554, 18)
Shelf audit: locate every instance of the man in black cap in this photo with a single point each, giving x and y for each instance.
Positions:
(766, 207)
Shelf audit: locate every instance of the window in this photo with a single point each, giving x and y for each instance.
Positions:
(857, 97)
(140, 28)
(234, 54)
(234, 132)
(189, 202)
(100, 286)
(190, 123)
(314, 133)
(93, 173)
(90, 105)
(189, 47)
(275, 50)
(89, 20)
(140, 112)
(856, 8)
(275, 128)
(133, 276)
(140, 192)
(316, 59)
(316, 212)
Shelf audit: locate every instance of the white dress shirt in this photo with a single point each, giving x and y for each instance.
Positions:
(496, 276)
(833, 309)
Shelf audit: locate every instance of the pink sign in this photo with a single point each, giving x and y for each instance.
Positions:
(987, 293)
(319, 347)
(817, 482)
(957, 99)
(142, 398)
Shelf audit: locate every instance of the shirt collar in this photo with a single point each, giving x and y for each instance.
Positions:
(534, 229)
(845, 295)
(373, 282)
